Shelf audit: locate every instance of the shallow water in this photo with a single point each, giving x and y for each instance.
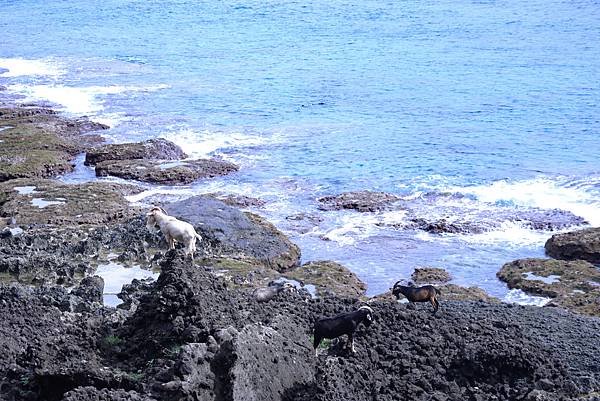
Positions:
(495, 101)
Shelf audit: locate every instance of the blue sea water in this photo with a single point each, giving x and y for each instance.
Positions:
(496, 103)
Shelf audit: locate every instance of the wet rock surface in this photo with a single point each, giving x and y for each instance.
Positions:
(37, 202)
(571, 284)
(362, 201)
(430, 275)
(165, 171)
(194, 337)
(37, 142)
(582, 244)
(159, 149)
(228, 232)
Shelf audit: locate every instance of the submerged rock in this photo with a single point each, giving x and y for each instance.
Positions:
(163, 171)
(158, 149)
(362, 201)
(574, 285)
(581, 244)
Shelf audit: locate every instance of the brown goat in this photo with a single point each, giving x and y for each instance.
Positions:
(426, 293)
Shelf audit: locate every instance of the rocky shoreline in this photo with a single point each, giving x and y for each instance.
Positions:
(197, 333)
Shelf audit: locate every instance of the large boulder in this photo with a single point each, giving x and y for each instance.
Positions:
(228, 232)
(573, 285)
(160, 149)
(37, 142)
(164, 171)
(581, 244)
(279, 364)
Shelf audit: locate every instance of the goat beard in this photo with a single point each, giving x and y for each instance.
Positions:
(152, 227)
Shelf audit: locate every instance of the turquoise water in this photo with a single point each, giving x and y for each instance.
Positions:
(495, 100)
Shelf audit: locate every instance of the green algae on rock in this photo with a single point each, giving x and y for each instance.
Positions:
(574, 285)
(37, 142)
(40, 201)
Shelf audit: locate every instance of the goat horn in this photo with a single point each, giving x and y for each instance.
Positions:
(366, 308)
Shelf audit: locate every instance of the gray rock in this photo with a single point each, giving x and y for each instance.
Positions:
(228, 232)
(151, 149)
(163, 171)
(361, 201)
(581, 244)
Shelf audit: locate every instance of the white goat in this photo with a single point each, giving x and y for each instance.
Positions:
(173, 229)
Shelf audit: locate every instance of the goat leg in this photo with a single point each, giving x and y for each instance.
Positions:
(351, 342)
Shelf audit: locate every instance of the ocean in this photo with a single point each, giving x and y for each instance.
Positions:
(478, 112)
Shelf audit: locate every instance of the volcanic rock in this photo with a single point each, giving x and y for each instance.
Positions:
(430, 275)
(36, 202)
(582, 244)
(329, 278)
(160, 149)
(164, 171)
(37, 142)
(228, 232)
(573, 285)
(362, 201)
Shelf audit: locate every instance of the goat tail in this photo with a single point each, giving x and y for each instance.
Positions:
(437, 291)
(198, 237)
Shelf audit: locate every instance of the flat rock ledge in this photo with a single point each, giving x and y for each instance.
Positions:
(581, 244)
(574, 285)
(30, 202)
(165, 171)
(38, 143)
(151, 149)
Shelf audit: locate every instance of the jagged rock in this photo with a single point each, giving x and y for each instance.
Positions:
(90, 393)
(164, 171)
(160, 149)
(278, 365)
(228, 232)
(573, 285)
(430, 275)
(90, 289)
(582, 244)
(362, 201)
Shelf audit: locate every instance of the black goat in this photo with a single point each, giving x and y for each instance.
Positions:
(344, 323)
(426, 293)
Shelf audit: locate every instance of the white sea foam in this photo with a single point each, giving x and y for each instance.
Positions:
(199, 144)
(77, 100)
(352, 227)
(22, 67)
(511, 233)
(516, 296)
(542, 193)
